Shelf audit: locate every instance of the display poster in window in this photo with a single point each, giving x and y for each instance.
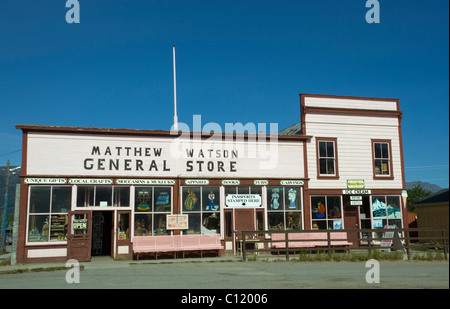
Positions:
(292, 197)
(122, 235)
(212, 203)
(337, 224)
(143, 199)
(377, 223)
(177, 222)
(191, 200)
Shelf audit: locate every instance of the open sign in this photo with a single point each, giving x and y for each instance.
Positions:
(79, 224)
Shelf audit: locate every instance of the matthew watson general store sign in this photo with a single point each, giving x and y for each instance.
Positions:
(92, 155)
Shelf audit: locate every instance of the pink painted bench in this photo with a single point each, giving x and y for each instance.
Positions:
(143, 245)
(310, 240)
(199, 243)
(153, 244)
(340, 239)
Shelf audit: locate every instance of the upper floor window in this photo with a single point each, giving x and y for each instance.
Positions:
(327, 158)
(382, 161)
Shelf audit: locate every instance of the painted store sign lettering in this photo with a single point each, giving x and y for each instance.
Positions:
(126, 162)
(100, 156)
(356, 192)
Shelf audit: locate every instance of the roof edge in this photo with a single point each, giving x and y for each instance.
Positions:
(157, 133)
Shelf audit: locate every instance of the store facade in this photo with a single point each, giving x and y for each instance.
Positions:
(354, 161)
(91, 191)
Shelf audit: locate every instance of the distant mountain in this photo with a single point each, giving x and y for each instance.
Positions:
(425, 185)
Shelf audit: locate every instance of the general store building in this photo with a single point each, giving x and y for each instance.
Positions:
(340, 167)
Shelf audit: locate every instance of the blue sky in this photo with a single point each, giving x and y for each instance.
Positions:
(237, 61)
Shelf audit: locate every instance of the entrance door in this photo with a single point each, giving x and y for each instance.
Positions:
(79, 236)
(351, 215)
(123, 240)
(241, 219)
(244, 221)
(102, 229)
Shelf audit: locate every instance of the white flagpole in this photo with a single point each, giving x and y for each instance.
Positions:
(175, 118)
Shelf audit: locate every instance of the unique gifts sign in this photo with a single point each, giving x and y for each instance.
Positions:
(99, 155)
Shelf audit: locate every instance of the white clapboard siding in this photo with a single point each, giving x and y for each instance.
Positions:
(65, 154)
(352, 120)
(354, 148)
(390, 105)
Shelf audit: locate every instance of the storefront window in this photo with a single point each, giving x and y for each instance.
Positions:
(386, 211)
(103, 196)
(284, 208)
(48, 209)
(38, 228)
(274, 198)
(243, 190)
(121, 197)
(276, 221)
(160, 224)
(202, 204)
(191, 199)
(162, 199)
(326, 212)
(40, 199)
(151, 206)
(61, 199)
(210, 199)
(228, 224)
(143, 224)
(124, 226)
(194, 223)
(260, 220)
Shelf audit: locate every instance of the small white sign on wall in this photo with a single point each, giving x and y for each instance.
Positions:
(243, 200)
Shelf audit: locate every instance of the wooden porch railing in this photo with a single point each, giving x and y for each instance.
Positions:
(367, 239)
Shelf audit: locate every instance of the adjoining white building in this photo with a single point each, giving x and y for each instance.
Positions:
(341, 167)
